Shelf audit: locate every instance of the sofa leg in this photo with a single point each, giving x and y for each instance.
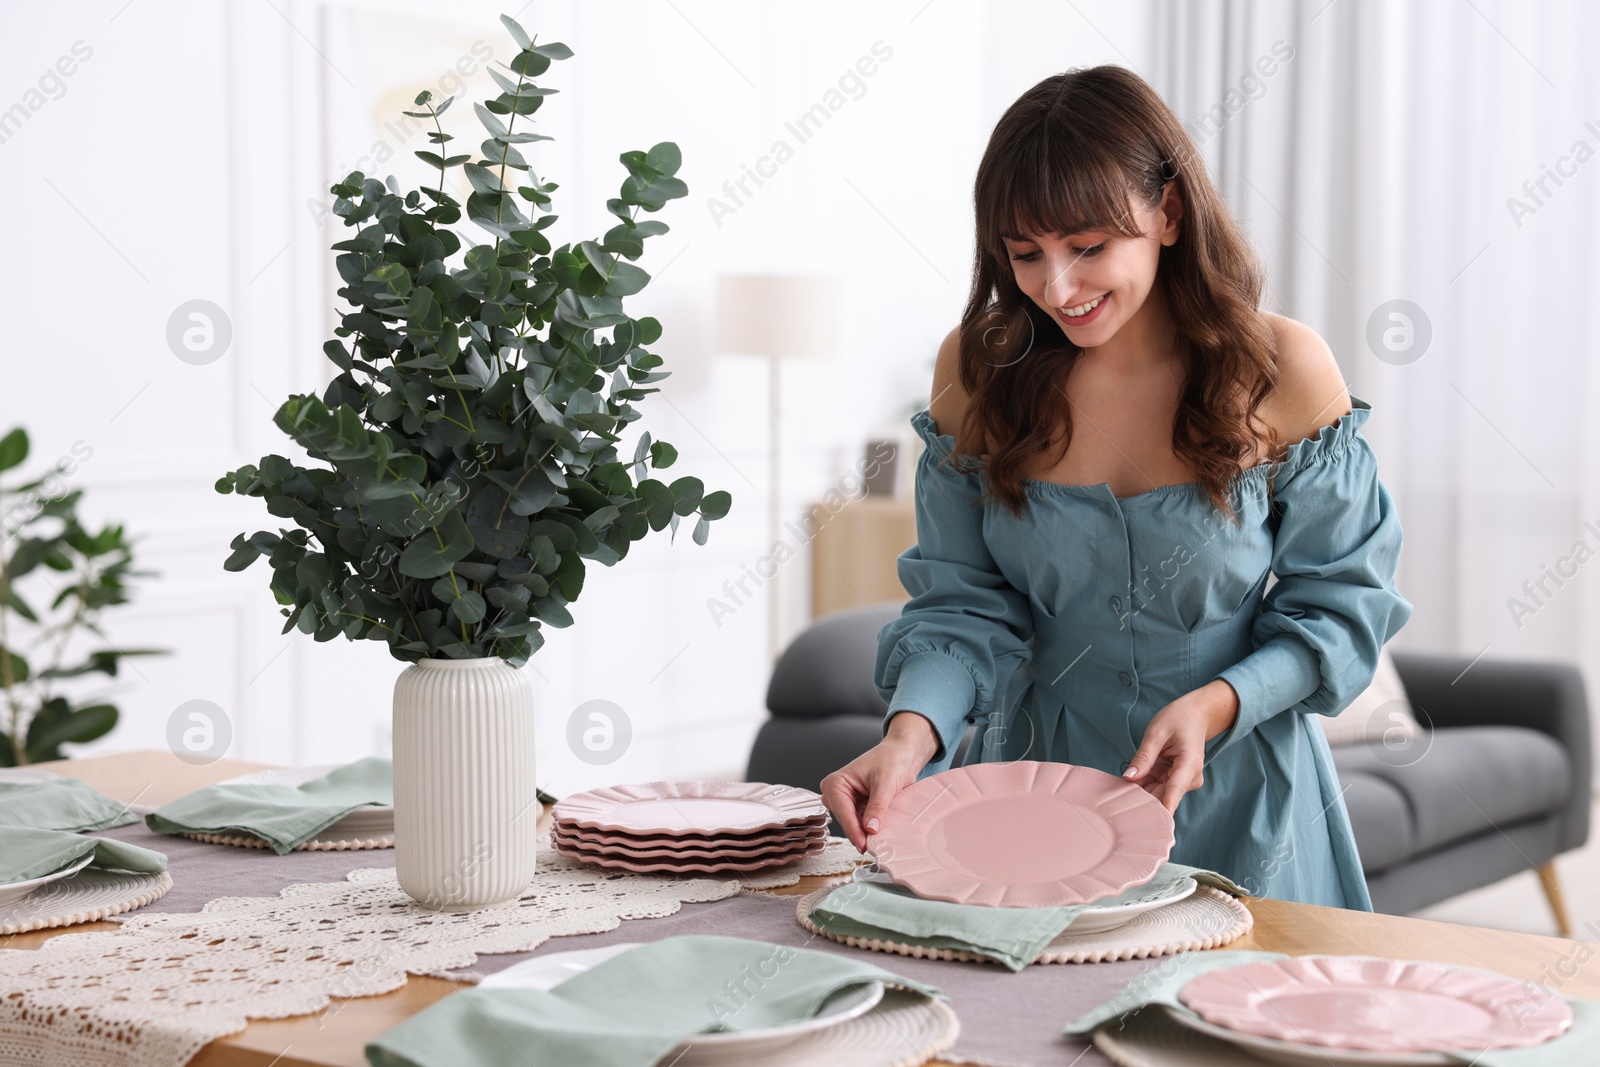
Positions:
(1552, 892)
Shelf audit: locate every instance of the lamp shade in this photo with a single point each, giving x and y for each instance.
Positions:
(781, 315)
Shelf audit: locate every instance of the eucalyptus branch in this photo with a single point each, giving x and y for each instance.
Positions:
(471, 464)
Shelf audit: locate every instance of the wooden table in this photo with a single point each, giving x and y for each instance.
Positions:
(336, 1037)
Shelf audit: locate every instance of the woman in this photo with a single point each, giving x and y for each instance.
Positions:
(1122, 449)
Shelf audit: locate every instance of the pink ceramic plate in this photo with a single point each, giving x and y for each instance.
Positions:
(564, 841)
(709, 867)
(758, 839)
(1364, 1002)
(1027, 834)
(698, 808)
(779, 856)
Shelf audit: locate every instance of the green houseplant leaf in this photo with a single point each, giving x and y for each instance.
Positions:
(85, 572)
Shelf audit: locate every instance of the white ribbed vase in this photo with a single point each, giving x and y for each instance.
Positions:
(465, 805)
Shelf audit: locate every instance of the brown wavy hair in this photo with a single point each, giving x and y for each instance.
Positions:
(1068, 153)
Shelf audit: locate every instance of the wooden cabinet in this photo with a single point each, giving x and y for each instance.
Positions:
(854, 550)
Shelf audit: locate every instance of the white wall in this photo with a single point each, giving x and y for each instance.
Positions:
(178, 163)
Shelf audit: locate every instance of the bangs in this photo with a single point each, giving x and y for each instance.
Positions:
(1060, 183)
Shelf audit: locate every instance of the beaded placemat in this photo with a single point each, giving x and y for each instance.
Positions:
(313, 845)
(88, 896)
(1207, 919)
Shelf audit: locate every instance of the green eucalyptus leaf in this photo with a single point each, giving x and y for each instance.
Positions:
(552, 612)
(530, 491)
(491, 122)
(496, 529)
(529, 63)
(510, 85)
(518, 34)
(244, 554)
(468, 607)
(658, 502)
(430, 554)
(686, 494)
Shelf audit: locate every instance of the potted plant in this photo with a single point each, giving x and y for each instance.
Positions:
(465, 467)
(84, 573)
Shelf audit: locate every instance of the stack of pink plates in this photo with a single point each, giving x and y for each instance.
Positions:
(691, 826)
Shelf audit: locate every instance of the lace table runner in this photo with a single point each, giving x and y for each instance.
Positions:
(156, 991)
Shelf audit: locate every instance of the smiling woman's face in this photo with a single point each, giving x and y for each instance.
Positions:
(1099, 274)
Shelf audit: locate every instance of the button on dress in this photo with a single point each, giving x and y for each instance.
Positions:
(1061, 634)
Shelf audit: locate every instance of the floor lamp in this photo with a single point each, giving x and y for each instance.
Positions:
(779, 317)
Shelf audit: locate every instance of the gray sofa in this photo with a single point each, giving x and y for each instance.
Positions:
(1499, 784)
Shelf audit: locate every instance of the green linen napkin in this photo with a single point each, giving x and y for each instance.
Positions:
(60, 804)
(1161, 984)
(284, 815)
(631, 1010)
(28, 853)
(1012, 936)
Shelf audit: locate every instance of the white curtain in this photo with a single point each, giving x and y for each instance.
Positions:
(1444, 153)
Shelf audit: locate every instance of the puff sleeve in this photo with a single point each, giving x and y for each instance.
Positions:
(1336, 544)
(961, 638)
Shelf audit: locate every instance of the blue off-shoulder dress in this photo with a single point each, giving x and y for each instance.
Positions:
(1063, 632)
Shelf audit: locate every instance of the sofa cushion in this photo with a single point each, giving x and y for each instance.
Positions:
(1379, 711)
(802, 752)
(1461, 781)
(829, 668)
(1381, 819)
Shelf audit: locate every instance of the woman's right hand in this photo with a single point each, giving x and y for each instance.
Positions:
(860, 792)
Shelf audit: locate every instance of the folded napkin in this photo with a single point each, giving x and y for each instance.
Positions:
(28, 853)
(631, 1010)
(60, 804)
(1012, 936)
(1161, 984)
(284, 815)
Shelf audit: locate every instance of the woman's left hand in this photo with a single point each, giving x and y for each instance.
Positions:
(1171, 758)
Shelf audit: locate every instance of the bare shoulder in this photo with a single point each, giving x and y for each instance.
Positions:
(949, 399)
(1310, 393)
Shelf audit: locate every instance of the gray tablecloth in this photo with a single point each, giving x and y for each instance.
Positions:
(1006, 1019)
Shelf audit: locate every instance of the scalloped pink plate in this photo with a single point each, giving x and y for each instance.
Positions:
(709, 866)
(1028, 834)
(1378, 1005)
(689, 808)
(760, 838)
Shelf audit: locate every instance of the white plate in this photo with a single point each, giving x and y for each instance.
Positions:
(1096, 920)
(15, 891)
(547, 972)
(1291, 1054)
(366, 822)
(1093, 919)
(26, 774)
